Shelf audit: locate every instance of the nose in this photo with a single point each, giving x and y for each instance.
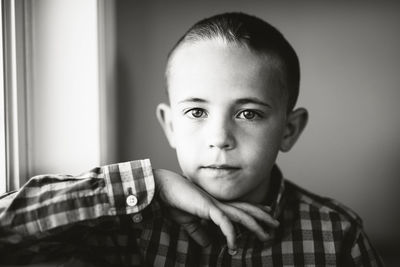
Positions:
(220, 135)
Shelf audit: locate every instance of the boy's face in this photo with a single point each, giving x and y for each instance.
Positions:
(226, 119)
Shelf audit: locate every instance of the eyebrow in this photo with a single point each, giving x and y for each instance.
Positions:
(252, 100)
(193, 99)
(241, 101)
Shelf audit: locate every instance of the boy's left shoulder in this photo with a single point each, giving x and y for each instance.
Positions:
(328, 209)
(327, 224)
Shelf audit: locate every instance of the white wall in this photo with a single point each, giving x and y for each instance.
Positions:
(63, 96)
(349, 53)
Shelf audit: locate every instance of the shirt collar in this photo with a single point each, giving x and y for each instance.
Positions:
(275, 193)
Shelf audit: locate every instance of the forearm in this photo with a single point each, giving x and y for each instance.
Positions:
(50, 201)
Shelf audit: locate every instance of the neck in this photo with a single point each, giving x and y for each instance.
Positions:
(261, 193)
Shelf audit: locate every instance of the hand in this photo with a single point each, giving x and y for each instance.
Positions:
(188, 204)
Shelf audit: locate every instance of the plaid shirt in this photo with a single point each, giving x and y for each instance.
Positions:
(110, 217)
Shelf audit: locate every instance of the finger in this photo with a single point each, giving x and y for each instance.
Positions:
(244, 219)
(265, 208)
(220, 219)
(256, 212)
(197, 232)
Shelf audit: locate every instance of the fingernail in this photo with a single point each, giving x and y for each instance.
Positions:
(232, 252)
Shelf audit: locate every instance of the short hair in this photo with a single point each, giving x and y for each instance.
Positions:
(252, 32)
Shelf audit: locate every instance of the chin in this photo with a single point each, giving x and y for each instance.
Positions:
(225, 196)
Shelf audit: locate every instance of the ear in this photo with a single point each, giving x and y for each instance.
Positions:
(164, 116)
(295, 124)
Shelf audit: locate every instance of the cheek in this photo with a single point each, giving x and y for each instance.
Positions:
(185, 160)
(262, 143)
(188, 134)
(183, 127)
(187, 146)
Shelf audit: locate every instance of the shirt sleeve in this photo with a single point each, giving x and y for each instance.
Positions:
(47, 202)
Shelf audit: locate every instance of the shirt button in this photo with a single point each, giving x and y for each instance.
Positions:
(232, 252)
(137, 218)
(131, 201)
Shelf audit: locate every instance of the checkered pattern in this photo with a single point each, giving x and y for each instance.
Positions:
(86, 218)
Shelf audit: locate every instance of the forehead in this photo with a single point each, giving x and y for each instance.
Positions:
(214, 66)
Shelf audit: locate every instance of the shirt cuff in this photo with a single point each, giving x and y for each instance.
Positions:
(130, 186)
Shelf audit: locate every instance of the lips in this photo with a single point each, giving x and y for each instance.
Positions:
(220, 170)
(221, 167)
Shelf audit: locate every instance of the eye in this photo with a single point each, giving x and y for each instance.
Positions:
(196, 113)
(248, 115)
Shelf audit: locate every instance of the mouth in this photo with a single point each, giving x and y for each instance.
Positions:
(220, 170)
(221, 167)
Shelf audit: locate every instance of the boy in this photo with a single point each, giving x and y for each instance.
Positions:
(233, 82)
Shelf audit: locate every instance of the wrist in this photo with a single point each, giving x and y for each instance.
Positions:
(157, 183)
(160, 179)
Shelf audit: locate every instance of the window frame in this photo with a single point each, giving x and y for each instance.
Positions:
(2, 115)
(16, 71)
(18, 146)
